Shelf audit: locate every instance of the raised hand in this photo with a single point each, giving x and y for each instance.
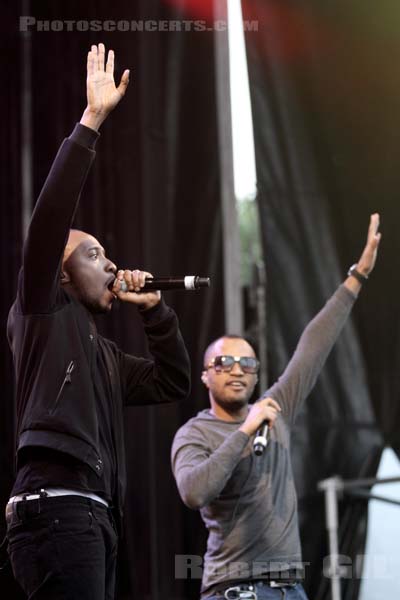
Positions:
(368, 257)
(102, 93)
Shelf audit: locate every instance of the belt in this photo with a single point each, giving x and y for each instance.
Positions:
(237, 590)
(49, 493)
(53, 491)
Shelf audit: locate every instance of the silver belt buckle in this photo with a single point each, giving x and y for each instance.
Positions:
(27, 496)
(280, 584)
(12, 503)
(235, 593)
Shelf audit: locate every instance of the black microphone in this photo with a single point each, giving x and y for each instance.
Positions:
(186, 282)
(261, 439)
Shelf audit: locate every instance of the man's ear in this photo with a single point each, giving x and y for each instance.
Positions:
(204, 378)
(65, 278)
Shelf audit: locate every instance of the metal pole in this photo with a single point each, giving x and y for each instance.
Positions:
(261, 296)
(26, 124)
(230, 230)
(331, 487)
(367, 496)
(355, 483)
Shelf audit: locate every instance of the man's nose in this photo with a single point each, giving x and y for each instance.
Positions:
(110, 266)
(237, 369)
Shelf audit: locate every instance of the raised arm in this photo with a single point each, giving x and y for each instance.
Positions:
(54, 211)
(102, 93)
(322, 332)
(368, 257)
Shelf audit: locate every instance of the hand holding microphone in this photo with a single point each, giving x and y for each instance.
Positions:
(261, 439)
(128, 285)
(172, 282)
(262, 416)
(140, 287)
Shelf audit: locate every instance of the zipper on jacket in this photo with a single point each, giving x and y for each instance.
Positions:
(67, 379)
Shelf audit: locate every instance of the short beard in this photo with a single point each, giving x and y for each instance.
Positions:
(91, 305)
(231, 406)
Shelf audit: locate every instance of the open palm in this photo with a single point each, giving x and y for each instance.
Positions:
(368, 257)
(102, 93)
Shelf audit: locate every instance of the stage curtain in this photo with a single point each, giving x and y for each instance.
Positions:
(152, 199)
(325, 109)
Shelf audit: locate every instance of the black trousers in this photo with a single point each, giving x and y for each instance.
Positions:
(63, 548)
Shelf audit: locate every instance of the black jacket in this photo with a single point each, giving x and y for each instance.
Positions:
(54, 340)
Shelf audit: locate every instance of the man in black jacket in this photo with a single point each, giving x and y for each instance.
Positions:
(72, 384)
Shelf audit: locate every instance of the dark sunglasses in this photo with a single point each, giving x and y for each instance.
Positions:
(225, 362)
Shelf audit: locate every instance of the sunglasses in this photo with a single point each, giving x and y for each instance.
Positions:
(225, 362)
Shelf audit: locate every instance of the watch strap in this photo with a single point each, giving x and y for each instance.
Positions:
(352, 272)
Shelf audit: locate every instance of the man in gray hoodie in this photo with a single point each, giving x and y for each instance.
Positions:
(248, 503)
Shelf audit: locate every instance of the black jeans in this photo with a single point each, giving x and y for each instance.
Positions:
(63, 548)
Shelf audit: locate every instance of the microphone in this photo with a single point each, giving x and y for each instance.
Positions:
(261, 439)
(186, 282)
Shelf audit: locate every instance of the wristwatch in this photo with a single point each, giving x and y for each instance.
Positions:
(352, 272)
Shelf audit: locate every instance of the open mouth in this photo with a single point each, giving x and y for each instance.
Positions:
(110, 283)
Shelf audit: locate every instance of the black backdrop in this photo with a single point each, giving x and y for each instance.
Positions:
(324, 98)
(152, 199)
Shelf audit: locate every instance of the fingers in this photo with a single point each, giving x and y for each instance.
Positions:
(374, 222)
(374, 236)
(270, 410)
(373, 227)
(90, 63)
(110, 62)
(266, 409)
(124, 82)
(135, 280)
(375, 241)
(271, 402)
(265, 413)
(271, 414)
(95, 58)
(101, 56)
(105, 74)
(368, 257)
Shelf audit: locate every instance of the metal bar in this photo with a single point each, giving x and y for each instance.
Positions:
(26, 124)
(230, 230)
(350, 483)
(368, 496)
(261, 300)
(330, 488)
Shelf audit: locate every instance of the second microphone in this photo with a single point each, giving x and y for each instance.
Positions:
(186, 282)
